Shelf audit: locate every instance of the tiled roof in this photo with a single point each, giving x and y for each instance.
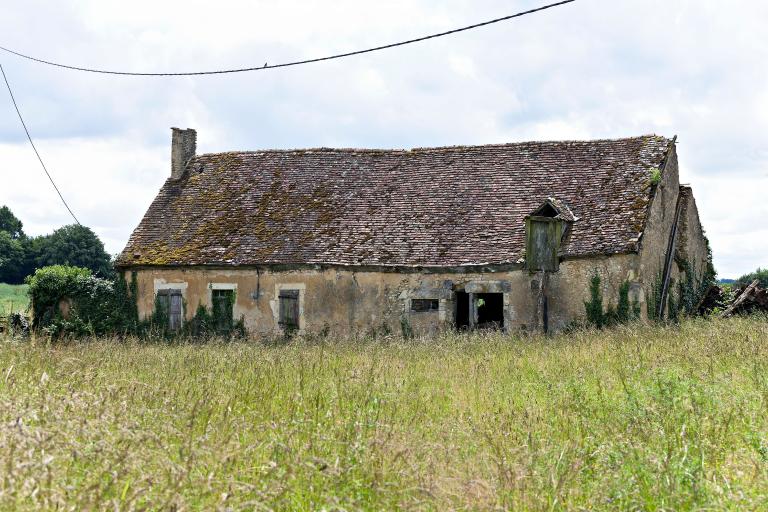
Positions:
(447, 206)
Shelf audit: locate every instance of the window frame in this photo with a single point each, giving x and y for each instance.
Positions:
(425, 305)
(554, 229)
(223, 324)
(165, 296)
(289, 304)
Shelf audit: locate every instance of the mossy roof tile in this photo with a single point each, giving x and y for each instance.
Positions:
(449, 206)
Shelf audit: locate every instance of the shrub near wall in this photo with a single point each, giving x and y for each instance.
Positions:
(71, 301)
(94, 305)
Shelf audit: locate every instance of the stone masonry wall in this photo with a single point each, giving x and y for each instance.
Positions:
(692, 243)
(339, 300)
(661, 216)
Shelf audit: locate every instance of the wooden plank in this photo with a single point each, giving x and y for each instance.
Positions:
(743, 296)
(174, 317)
(289, 309)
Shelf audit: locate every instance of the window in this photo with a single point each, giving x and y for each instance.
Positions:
(223, 302)
(289, 310)
(422, 305)
(170, 304)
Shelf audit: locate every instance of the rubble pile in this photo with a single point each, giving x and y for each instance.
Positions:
(747, 300)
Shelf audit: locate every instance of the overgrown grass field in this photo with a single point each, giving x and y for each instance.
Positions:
(637, 418)
(13, 298)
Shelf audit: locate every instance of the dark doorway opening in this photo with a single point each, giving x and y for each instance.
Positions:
(490, 310)
(462, 311)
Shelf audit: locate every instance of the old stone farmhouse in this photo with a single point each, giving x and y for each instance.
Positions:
(354, 240)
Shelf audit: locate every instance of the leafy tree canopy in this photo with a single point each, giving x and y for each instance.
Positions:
(761, 274)
(73, 245)
(10, 224)
(11, 259)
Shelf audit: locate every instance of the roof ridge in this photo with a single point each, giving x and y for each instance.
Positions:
(427, 149)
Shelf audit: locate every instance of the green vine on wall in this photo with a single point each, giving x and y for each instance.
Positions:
(97, 307)
(654, 298)
(691, 288)
(624, 312)
(205, 324)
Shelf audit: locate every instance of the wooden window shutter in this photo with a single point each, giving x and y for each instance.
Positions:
(171, 305)
(289, 310)
(176, 310)
(223, 303)
(543, 243)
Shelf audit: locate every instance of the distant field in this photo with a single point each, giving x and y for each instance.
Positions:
(642, 418)
(13, 298)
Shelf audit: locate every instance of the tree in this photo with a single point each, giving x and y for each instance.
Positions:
(11, 259)
(10, 224)
(761, 274)
(73, 245)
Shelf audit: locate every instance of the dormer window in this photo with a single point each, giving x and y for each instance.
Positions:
(545, 229)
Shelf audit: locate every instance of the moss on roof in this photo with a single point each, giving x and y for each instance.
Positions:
(449, 206)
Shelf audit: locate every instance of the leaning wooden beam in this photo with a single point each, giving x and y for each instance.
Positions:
(743, 296)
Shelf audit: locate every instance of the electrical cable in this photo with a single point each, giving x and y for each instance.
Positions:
(294, 63)
(33, 146)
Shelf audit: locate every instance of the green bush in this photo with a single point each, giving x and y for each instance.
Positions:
(49, 285)
(98, 306)
(204, 325)
(594, 307)
(108, 307)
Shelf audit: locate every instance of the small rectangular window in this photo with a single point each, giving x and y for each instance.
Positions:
(289, 310)
(223, 302)
(421, 305)
(171, 304)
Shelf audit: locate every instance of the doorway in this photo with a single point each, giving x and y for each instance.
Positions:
(490, 310)
(479, 310)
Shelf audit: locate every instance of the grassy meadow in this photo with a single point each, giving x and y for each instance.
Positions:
(637, 418)
(13, 297)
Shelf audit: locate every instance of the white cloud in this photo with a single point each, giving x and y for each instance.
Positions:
(107, 182)
(588, 69)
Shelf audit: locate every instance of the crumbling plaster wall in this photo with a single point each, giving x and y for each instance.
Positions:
(655, 238)
(341, 300)
(569, 287)
(692, 243)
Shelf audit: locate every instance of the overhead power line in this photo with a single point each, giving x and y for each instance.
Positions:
(298, 62)
(33, 145)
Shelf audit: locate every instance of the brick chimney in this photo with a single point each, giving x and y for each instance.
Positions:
(183, 148)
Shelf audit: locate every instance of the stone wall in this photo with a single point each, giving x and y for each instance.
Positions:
(341, 300)
(661, 217)
(692, 243)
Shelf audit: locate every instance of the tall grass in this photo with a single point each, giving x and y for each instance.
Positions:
(13, 298)
(637, 418)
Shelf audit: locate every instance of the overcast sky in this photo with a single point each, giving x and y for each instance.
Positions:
(697, 69)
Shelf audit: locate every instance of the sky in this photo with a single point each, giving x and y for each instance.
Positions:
(590, 69)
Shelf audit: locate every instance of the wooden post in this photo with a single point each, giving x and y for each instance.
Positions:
(472, 311)
(542, 302)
